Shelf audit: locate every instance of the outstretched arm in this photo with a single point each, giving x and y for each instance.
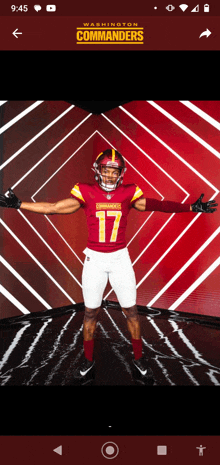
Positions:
(175, 207)
(65, 206)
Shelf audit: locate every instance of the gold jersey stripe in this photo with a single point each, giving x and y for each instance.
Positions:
(75, 191)
(137, 194)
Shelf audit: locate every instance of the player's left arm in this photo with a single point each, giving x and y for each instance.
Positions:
(140, 205)
(167, 206)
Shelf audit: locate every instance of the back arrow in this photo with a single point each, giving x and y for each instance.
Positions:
(58, 450)
(15, 33)
(205, 33)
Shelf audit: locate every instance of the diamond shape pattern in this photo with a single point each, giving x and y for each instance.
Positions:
(172, 152)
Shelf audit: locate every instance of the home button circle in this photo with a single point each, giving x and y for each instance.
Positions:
(110, 450)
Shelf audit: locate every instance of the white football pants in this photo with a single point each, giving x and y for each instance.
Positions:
(115, 266)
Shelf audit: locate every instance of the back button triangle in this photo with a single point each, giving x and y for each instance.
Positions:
(58, 450)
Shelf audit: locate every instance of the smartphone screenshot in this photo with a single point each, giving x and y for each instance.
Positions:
(135, 26)
(109, 220)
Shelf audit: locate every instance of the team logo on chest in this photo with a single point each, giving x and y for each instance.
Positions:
(108, 206)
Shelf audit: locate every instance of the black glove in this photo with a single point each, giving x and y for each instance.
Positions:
(198, 206)
(9, 200)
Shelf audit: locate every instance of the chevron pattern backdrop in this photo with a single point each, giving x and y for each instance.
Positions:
(172, 152)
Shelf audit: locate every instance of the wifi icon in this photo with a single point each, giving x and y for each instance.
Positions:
(183, 6)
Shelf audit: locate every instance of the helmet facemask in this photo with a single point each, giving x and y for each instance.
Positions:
(109, 159)
(107, 187)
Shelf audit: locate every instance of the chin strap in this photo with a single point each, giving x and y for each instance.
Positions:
(103, 185)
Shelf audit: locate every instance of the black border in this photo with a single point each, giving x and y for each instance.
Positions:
(122, 75)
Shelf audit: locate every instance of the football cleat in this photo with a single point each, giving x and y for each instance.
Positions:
(142, 372)
(87, 367)
(84, 374)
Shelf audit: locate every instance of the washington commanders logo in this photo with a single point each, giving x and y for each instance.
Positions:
(110, 33)
(108, 206)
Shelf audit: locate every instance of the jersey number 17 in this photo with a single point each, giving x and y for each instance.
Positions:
(102, 219)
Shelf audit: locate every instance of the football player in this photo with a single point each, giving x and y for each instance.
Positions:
(107, 203)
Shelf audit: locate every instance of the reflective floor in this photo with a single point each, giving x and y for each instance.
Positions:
(46, 348)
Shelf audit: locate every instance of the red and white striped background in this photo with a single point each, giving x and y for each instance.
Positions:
(172, 152)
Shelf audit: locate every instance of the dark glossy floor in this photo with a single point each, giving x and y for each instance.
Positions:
(46, 348)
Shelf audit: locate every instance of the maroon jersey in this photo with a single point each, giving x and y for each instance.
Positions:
(106, 213)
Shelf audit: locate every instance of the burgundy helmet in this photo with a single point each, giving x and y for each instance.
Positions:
(112, 159)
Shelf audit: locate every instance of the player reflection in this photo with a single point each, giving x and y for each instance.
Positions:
(107, 203)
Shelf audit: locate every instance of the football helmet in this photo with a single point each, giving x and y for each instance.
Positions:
(112, 159)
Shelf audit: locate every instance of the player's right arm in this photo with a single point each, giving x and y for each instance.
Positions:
(65, 206)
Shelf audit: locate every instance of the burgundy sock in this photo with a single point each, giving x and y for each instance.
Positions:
(88, 349)
(137, 348)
